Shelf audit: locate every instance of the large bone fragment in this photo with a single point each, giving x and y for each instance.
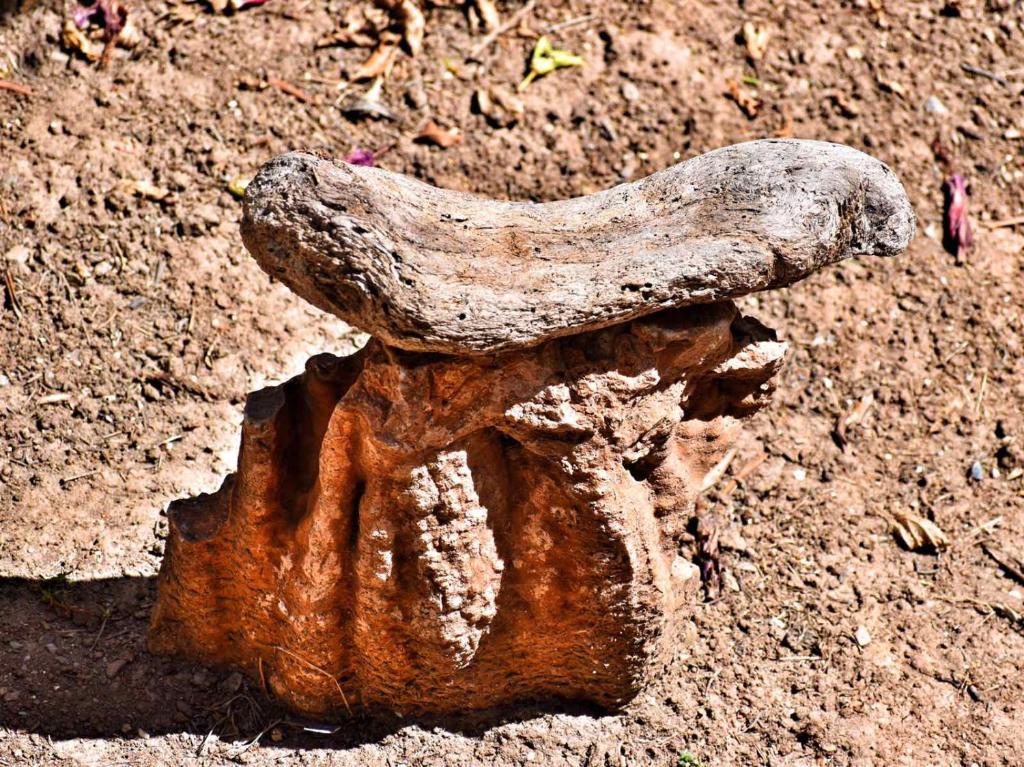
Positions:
(487, 503)
(427, 269)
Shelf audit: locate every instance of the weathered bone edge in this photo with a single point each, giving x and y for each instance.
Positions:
(427, 269)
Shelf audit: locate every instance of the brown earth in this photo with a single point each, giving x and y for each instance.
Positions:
(141, 324)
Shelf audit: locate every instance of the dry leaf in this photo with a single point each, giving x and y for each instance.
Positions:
(501, 107)
(853, 418)
(918, 534)
(379, 63)
(75, 39)
(749, 104)
(489, 16)
(432, 133)
(363, 28)
(370, 104)
(413, 25)
(756, 40)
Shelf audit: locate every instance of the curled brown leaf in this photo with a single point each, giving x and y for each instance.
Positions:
(916, 533)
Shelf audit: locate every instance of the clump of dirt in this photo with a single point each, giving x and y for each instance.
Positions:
(133, 323)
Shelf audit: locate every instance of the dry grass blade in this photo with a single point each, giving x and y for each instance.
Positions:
(1012, 566)
(918, 534)
(312, 666)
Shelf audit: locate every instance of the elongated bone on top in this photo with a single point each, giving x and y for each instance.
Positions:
(428, 269)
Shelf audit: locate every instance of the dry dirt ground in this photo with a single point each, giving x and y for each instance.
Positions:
(131, 329)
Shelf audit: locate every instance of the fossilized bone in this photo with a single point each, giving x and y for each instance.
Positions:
(427, 269)
(429, 532)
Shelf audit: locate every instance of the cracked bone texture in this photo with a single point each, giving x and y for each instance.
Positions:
(427, 269)
(424, 533)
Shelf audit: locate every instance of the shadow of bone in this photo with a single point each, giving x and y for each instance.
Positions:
(73, 664)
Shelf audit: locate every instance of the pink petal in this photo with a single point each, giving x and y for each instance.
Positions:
(361, 157)
(958, 233)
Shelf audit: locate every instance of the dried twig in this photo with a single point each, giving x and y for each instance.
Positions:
(21, 90)
(12, 296)
(971, 69)
(246, 746)
(513, 21)
(292, 90)
(579, 20)
(1015, 221)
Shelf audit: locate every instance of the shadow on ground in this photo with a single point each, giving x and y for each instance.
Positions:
(73, 664)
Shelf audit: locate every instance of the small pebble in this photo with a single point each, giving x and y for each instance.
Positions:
(114, 667)
(933, 106)
(977, 471)
(862, 636)
(276, 735)
(630, 92)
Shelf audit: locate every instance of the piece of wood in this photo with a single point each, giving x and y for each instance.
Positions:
(428, 269)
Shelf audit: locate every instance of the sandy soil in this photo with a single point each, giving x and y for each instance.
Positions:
(136, 326)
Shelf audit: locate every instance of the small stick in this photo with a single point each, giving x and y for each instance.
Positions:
(970, 68)
(53, 399)
(292, 90)
(1015, 221)
(716, 472)
(9, 282)
(513, 21)
(68, 480)
(571, 23)
(106, 617)
(22, 90)
(166, 442)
